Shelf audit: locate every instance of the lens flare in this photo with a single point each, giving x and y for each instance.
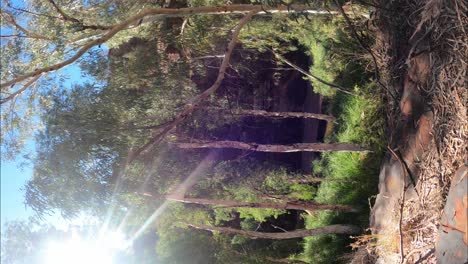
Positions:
(91, 251)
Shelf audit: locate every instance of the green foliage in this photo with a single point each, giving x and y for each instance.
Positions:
(336, 57)
(361, 121)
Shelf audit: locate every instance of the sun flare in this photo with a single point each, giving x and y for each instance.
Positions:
(90, 251)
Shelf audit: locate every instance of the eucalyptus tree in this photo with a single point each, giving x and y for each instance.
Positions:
(43, 37)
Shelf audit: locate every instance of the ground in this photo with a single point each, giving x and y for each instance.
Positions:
(421, 50)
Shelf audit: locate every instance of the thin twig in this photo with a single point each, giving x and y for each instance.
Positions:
(299, 69)
(280, 228)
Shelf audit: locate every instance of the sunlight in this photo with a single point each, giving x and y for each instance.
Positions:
(90, 251)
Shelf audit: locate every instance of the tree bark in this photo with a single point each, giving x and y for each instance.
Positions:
(298, 147)
(331, 229)
(297, 205)
(263, 113)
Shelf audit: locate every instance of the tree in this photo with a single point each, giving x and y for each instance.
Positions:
(332, 229)
(298, 147)
(263, 113)
(77, 33)
(284, 205)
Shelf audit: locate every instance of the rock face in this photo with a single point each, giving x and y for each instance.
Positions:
(400, 170)
(452, 243)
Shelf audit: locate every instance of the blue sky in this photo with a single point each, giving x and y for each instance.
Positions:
(13, 177)
(12, 200)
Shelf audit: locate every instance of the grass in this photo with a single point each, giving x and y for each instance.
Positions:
(360, 120)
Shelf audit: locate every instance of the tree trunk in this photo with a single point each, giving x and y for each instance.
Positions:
(331, 229)
(298, 147)
(297, 205)
(263, 113)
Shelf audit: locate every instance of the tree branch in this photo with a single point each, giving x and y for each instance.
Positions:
(68, 18)
(190, 107)
(27, 11)
(8, 17)
(299, 69)
(229, 9)
(26, 86)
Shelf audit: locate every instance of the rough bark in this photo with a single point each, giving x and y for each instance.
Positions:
(297, 205)
(331, 229)
(298, 147)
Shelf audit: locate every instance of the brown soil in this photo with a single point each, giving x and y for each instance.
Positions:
(421, 50)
